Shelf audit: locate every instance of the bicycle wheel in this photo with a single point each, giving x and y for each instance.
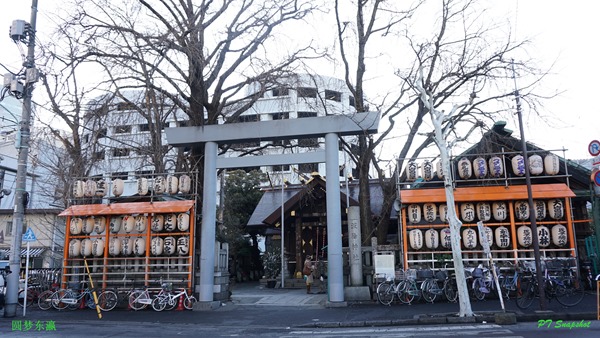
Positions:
(401, 292)
(21, 298)
(570, 293)
(188, 302)
(450, 290)
(171, 303)
(478, 287)
(45, 300)
(428, 288)
(385, 293)
(526, 296)
(107, 300)
(134, 299)
(159, 303)
(59, 296)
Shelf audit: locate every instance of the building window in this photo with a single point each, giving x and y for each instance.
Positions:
(351, 101)
(120, 152)
(98, 155)
(125, 106)
(280, 116)
(183, 123)
(121, 175)
(333, 95)
(285, 167)
(9, 228)
(303, 114)
(308, 167)
(122, 129)
(144, 173)
(281, 91)
(144, 127)
(306, 92)
(86, 138)
(308, 142)
(281, 142)
(102, 133)
(249, 169)
(247, 118)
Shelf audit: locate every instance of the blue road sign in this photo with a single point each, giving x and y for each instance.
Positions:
(594, 148)
(29, 236)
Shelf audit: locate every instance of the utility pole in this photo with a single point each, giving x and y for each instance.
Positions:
(21, 31)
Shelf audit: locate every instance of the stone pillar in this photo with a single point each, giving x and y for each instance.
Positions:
(209, 219)
(354, 238)
(334, 221)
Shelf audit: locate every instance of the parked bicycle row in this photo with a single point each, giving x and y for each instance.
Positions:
(517, 282)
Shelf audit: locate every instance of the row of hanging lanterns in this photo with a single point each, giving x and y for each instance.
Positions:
(480, 168)
(485, 211)
(432, 239)
(126, 246)
(170, 185)
(130, 223)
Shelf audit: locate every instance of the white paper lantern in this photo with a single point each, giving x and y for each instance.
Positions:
(522, 210)
(536, 165)
(499, 211)
(438, 170)
(543, 236)
(86, 247)
(484, 211)
(159, 185)
(78, 189)
(139, 246)
(469, 237)
(114, 246)
(556, 209)
(551, 164)
(172, 185)
(90, 188)
(524, 236)
(76, 225)
(126, 246)
(432, 239)
(158, 222)
(540, 209)
(88, 225)
(446, 238)
(99, 224)
(489, 235)
(427, 170)
(101, 188)
(496, 167)
(156, 246)
(518, 165)
(183, 222)
(411, 171)
(480, 167)
(559, 235)
(170, 245)
(416, 239)
(414, 213)
(98, 247)
(170, 222)
(74, 248)
(115, 224)
(140, 223)
(465, 170)
(429, 212)
(117, 187)
(128, 223)
(183, 246)
(142, 186)
(444, 213)
(467, 212)
(185, 184)
(502, 237)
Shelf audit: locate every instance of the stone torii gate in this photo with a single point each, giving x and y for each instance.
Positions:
(330, 127)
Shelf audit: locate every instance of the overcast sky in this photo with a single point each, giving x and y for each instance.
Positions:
(564, 35)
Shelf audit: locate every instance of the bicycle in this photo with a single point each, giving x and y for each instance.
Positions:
(510, 282)
(386, 291)
(410, 289)
(437, 285)
(162, 300)
(139, 299)
(70, 299)
(482, 284)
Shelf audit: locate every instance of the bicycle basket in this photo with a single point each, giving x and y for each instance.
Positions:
(422, 274)
(441, 275)
(477, 272)
(167, 286)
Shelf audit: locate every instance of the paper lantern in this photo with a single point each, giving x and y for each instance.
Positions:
(170, 245)
(90, 188)
(86, 247)
(142, 186)
(480, 167)
(101, 188)
(158, 222)
(518, 165)
(76, 225)
(411, 171)
(429, 212)
(114, 246)
(496, 167)
(183, 246)
(170, 220)
(126, 246)
(172, 185)
(427, 171)
(551, 164)
(416, 239)
(140, 223)
(74, 248)
(99, 224)
(540, 209)
(536, 165)
(414, 213)
(559, 235)
(543, 236)
(502, 237)
(128, 223)
(469, 237)
(484, 211)
(467, 212)
(488, 233)
(444, 213)
(88, 225)
(98, 247)
(555, 209)
(117, 187)
(464, 168)
(432, 239)
(183, 222)
(438, 169)
(185, 184)
(446, 238)
(156, 246)
(115, 224)
(522, 210)
(524, 236)
(159, 185)
(139, 246)
(78, 189)
(499, 211)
